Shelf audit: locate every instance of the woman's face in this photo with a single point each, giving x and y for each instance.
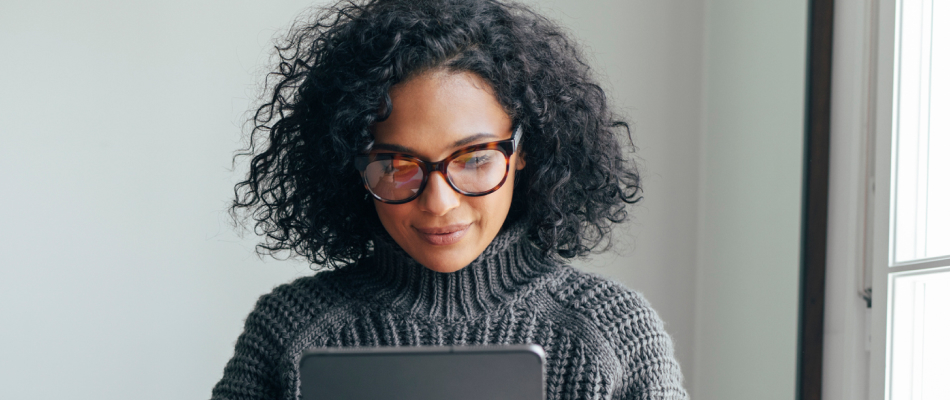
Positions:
(434, 115)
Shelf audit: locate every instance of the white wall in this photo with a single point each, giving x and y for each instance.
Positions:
(750, 200)
(122, 278)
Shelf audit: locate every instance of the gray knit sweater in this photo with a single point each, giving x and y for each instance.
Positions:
(602, 340)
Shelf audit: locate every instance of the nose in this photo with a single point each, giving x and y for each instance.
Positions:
(438, 197)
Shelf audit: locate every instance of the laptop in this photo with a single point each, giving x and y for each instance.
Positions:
(511, 372)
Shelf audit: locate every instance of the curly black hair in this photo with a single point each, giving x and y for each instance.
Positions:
(336, 68)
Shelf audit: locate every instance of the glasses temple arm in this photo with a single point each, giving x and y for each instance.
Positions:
(516, 139)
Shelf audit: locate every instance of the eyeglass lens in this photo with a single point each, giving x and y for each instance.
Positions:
(475, 172)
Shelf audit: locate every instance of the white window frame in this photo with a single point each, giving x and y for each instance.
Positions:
(883, 263)
(845, 369)
(882, 129)
(856, 360)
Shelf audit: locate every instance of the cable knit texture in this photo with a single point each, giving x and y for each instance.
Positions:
(602, 340)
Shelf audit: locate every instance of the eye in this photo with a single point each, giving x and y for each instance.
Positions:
(473, 160)
(399, 167)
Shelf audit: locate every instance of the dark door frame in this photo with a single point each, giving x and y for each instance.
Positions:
(815, 201)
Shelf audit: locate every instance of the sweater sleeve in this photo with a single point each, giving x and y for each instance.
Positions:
(646, 352)
(252, 373)
(634, 331)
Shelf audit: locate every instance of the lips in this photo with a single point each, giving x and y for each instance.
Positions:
(443, 235)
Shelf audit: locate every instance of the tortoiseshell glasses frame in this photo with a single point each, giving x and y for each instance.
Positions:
(506, 147)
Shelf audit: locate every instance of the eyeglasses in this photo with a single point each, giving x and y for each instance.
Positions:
(477, 170)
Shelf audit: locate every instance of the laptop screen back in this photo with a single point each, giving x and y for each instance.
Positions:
(424, 373)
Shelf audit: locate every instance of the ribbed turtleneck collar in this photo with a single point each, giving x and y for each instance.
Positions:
(501, 274)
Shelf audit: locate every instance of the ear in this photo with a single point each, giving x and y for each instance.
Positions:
(519, 160)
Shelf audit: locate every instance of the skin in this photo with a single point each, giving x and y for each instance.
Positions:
(435, 114)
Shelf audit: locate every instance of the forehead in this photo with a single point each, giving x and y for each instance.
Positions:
(438, 112)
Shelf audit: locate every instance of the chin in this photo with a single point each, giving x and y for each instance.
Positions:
(445, 268)
(445, 261)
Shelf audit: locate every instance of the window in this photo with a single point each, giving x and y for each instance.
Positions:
(921, 141)
(910, 329)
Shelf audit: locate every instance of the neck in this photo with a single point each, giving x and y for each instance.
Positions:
(507, 268)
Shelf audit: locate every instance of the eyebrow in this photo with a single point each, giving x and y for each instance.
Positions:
(457, 144)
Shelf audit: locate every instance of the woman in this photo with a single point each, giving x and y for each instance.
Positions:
(443, 159)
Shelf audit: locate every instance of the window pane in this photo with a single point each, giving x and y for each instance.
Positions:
(922, 223)
(938, 184)
(920, 328)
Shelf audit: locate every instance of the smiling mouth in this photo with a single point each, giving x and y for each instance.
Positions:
(444, 235)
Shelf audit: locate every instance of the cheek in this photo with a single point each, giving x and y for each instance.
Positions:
(493, 208)
(391, 215)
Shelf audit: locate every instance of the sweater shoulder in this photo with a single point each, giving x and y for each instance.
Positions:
(301, 299)
(298, 288)
(594, 295)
